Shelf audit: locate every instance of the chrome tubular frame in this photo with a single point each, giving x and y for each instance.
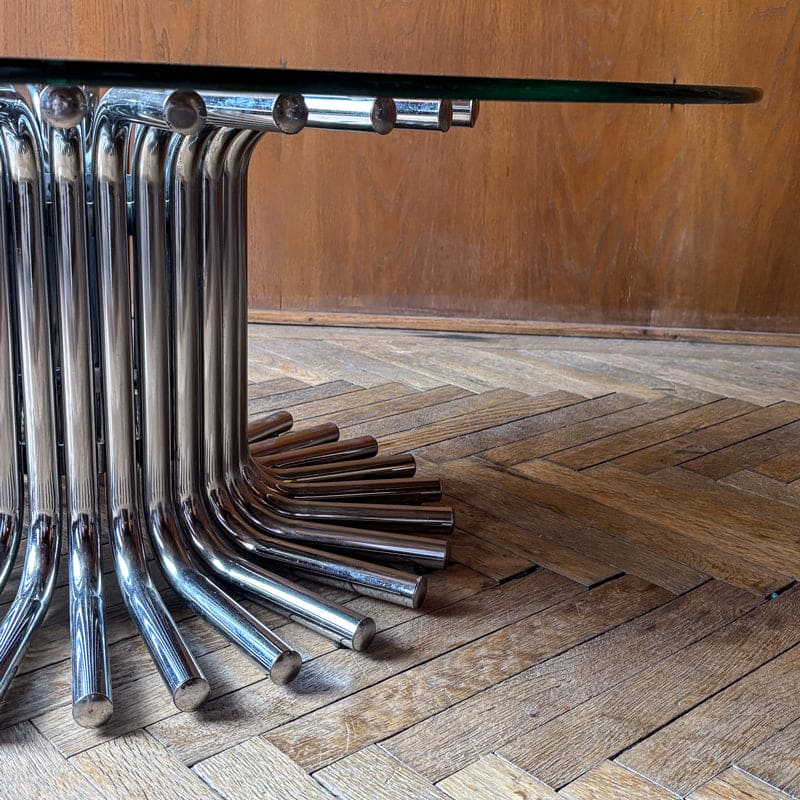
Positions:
(146, 359)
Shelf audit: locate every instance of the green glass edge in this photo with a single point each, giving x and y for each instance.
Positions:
(267, 80)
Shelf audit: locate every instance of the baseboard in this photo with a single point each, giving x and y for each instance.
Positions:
(464, 325)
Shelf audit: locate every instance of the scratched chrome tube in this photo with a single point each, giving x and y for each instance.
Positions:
(344, 626)
(382, 582)
(26, 237)
(178, 668)
(465, 113)
(371, 114)
(425, 115)
(260, 505)
(180, 565)
(11, 502)
(64, 109)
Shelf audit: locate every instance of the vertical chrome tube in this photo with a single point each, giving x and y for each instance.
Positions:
(180, 672)
(179, 564)
(27, 238)
(63, 109)
(10, 482)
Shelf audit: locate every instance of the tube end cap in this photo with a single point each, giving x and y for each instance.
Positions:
(364, 634)
(286, 667)
(191, 694)
(92, 710)
(420, 591)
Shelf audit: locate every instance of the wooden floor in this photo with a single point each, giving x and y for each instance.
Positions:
(622, 619)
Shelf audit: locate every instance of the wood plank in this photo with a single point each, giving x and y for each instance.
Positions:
(735, 785)
(479, 484)
(545, 444)
(350, 401)
(373, 774)
(492, 778)
(694, 748)
(711, 439)
(286, 400)
(450, 740)
(499, 435)
(747, 454)
(136, 767)
(625, 442)
(256, 389)
(404, 700)
(337, 673)
(784, 467)
(612, 781)
(33, 768)
(410, 402)
(233, 677)
(564, 748)
(476, 420)
(776, 761)
(486, 557)
(526, 544)
(257, 770)
(610, 505)
(756, 483)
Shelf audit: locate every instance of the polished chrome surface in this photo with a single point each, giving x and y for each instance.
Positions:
(279, 113)
(465, 113)
(185, 681)
(376, 114)
(27, 243)
(63, 110)
(179, 564)
(268, 425)
(429, 115)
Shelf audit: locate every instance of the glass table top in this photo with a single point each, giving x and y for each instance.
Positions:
(371, 84)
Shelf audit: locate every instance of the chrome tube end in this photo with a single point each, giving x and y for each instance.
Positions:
(63, 106)
(383, 115)
(185, 111)
(420, 591)
(465, 113)
(364, 634)
(290, 113)
(92, 710)
(286, 667)
(191, 694)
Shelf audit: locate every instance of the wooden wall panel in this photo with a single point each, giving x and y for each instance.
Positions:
(635, 215)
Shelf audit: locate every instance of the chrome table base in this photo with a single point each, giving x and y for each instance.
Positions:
(123, 359)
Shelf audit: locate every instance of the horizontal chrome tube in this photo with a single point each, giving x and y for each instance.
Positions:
(427, 115)
(397, 466)
(180, 111)
(465, 113)
(309, 437)
(269, 425)
(278, 113)
(63, 108)
(375, 114)
(330, 453)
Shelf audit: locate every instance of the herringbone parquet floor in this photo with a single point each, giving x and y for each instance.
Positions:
(622, 619)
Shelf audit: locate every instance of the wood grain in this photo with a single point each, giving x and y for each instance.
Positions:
(492, 778)
(612, 782)
(777, 760)
(735, 785)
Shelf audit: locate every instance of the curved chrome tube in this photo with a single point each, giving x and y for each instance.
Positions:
(21, 153)
(179, 564)
(256, 499)
(382, 582)
(177, 666)
(11, 502)
(426, 115)
(343, 625)
(63, 109)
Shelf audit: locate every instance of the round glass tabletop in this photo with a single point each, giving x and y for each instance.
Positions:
(266, 80)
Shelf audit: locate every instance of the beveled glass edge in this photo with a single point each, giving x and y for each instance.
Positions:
(371, 84)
